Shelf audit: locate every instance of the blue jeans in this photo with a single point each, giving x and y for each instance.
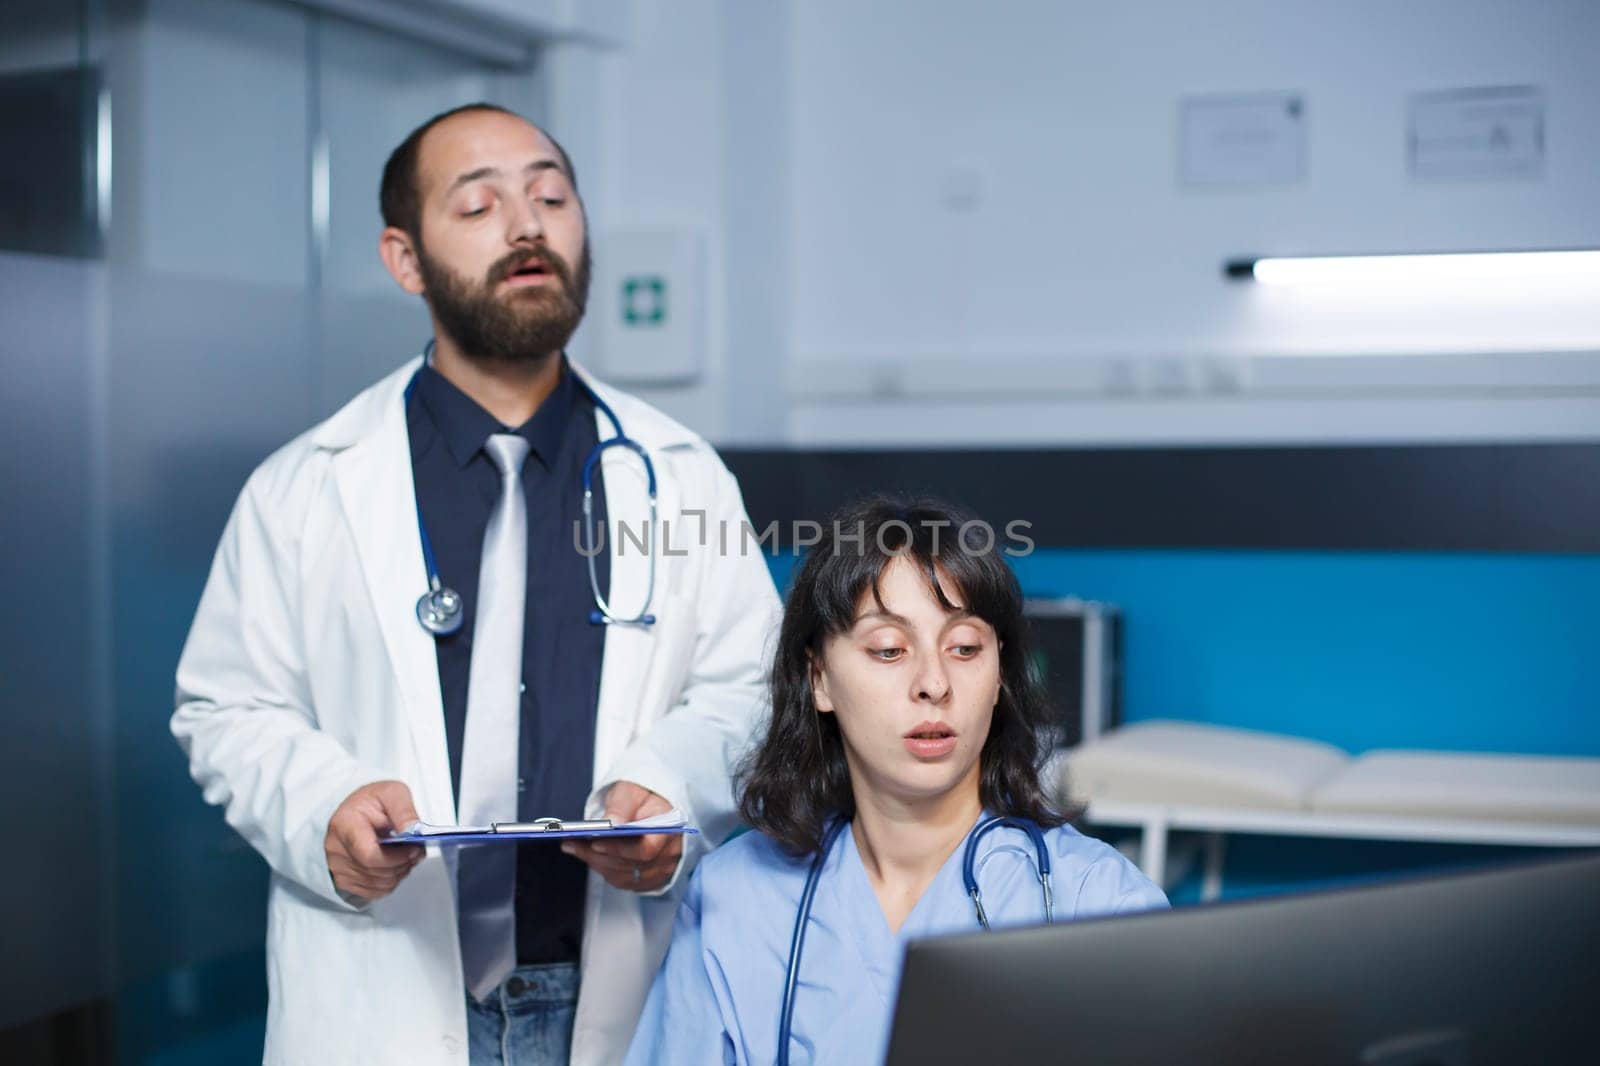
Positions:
(527, 1021)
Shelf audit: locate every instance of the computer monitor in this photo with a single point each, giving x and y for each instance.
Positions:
(1487, 967)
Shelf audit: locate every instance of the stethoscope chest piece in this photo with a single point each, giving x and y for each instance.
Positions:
(439, 611)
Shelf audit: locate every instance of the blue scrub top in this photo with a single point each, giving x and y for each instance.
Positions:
(717, 997)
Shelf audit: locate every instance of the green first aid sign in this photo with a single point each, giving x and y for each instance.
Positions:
(644, 300)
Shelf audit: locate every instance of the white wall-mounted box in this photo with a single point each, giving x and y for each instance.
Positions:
(649, 304)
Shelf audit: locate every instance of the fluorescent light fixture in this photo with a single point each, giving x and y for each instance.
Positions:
(102, 164)
(1391, 269)
(321, 195)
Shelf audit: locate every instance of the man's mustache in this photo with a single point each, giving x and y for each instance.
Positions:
(515, 261)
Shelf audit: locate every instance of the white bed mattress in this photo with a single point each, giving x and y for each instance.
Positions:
(1201, 765)
(1504, 788)
(1193, 764)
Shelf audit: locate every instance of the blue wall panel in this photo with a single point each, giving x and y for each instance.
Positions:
(1463, 652)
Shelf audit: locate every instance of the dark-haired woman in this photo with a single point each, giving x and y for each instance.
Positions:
(904, 720)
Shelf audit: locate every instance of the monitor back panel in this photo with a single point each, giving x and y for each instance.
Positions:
(1501, 966)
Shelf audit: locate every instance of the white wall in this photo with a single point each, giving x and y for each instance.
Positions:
(644, 126)
(1084, 245)
(1075, 294)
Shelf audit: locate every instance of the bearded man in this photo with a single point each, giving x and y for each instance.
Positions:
(412, 616)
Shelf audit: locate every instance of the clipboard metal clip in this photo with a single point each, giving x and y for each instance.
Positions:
(551, 825)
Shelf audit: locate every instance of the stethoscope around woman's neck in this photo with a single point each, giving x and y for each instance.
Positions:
(969, 878)
(440, 608)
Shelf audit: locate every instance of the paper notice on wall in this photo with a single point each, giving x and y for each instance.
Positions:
(1477, 133)
(1259, 139)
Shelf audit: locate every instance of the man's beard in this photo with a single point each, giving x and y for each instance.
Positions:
(518, 326)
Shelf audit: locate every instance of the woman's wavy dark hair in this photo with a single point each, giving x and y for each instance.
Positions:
(797, 781)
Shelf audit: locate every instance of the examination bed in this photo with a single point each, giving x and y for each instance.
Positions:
(1162, 776)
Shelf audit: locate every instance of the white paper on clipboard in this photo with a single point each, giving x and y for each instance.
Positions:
(671, 821)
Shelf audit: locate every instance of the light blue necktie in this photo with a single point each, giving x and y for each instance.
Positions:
(486, 876)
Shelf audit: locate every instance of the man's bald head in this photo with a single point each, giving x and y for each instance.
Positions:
(400, 195)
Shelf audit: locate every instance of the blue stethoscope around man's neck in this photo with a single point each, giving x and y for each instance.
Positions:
(440, 609)
(969, 878)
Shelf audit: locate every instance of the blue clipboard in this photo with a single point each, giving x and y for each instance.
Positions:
(539, 829)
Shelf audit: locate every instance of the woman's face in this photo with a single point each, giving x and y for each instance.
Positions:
(914, 687)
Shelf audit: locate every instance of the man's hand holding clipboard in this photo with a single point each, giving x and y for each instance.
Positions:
(636, 847)
(637, 864)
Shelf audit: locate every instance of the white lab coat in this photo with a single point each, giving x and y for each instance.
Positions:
(306, 675)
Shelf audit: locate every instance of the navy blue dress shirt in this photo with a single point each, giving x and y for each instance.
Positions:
(457, 486)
